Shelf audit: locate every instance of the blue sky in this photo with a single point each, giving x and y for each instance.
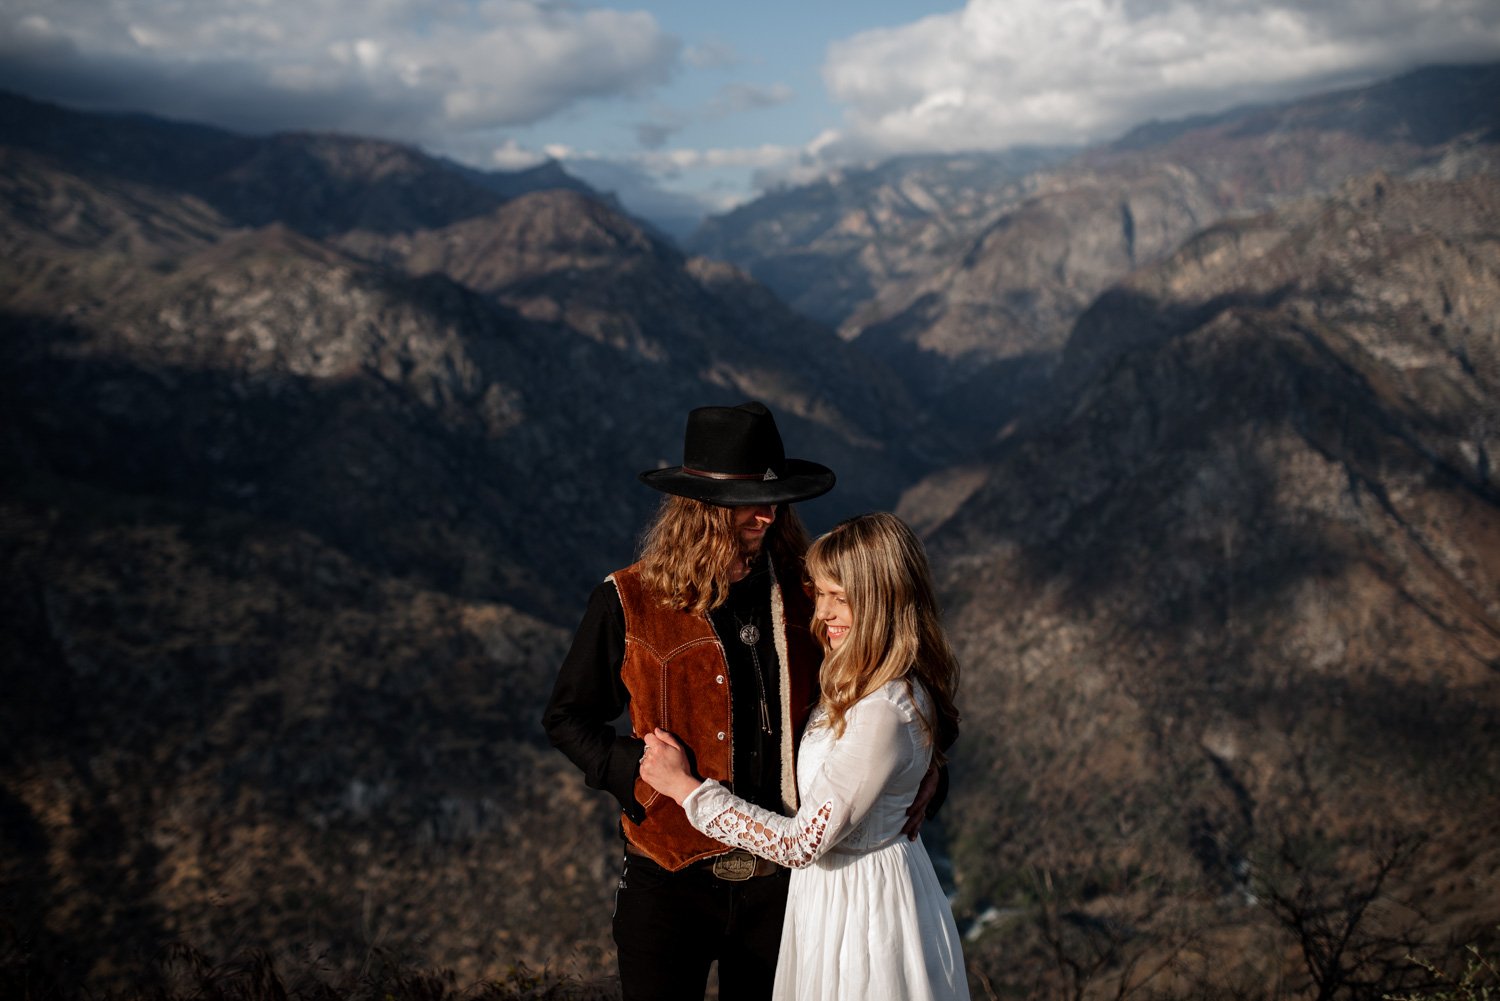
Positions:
(749, 79)
(684, 106)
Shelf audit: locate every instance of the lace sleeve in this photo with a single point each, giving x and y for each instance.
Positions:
(874, 747)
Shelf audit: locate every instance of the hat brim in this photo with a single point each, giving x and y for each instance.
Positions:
(803, 480)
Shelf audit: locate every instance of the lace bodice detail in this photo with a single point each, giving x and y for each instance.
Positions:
(854, 790)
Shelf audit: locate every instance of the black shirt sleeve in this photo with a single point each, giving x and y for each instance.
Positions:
(589, 696)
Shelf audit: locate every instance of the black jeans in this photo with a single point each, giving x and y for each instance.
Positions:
(670, 926)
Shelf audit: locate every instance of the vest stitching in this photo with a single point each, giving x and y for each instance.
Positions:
(781, 633)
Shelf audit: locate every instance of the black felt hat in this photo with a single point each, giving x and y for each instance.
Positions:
(733, 456)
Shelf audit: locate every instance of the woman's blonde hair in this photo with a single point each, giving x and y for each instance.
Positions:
(895, 629)
(691, 549)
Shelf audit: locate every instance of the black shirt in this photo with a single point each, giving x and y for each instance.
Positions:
(589, 696)
(754, 686)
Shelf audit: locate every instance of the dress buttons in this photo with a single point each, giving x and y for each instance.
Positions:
(721, 734)
(720, 679)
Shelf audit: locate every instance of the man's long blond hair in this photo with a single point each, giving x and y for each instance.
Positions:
(895, 629)
(691, 549)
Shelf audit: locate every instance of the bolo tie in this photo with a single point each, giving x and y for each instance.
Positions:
(750, 636)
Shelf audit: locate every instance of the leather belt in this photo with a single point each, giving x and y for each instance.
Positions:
(734, 866)
(739, 864)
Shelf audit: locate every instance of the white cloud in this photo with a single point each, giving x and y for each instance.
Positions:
(661, 163)
(409, 69)
(457, 75)
(1003, 72)
(668, 162)
(511, 155)
(643, 180)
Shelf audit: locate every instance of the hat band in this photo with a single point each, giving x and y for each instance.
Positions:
(727, 476)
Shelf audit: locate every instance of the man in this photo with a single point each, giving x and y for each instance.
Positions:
(707, 636)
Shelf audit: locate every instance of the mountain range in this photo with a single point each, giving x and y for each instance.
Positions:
(285, 499)
(1235, 595)
(314, 445)
(968, 275)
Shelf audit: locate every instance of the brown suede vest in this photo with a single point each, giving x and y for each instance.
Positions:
(678, 679)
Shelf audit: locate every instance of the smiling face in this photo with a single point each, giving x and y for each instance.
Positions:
(751, 523)
(832, 609)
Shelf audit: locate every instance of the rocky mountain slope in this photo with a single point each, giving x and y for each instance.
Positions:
(829, 246)
(303, 490)
(974, 320)
(1229, 611)
(304, 487)
(316, 184)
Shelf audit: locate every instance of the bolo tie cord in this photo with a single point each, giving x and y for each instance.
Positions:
(750, 636)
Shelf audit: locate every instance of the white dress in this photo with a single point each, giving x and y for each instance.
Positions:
(866, 917)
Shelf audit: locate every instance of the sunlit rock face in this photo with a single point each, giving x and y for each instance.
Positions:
(1228, 604)
(968, 273)
(311, 449)
(312, 452)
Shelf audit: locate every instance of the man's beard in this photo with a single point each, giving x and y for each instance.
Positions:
(749, 550)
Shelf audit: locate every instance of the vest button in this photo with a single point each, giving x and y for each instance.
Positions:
(721, 734)
(720, 679)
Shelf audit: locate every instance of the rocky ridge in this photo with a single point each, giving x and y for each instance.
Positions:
(302, 496)
(976, 321)
(829, 246)
(298, 515)
(1228, 607)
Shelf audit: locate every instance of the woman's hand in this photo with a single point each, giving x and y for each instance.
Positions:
(664, 766)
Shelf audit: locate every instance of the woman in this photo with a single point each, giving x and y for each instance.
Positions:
(865, 915)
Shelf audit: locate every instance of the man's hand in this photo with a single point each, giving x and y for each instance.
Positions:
(664, 766)
(917, 812)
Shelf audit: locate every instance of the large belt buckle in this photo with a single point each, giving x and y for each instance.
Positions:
(736, 866)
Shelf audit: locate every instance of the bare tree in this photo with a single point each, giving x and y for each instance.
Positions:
(1115, 949)
(1353, 937)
